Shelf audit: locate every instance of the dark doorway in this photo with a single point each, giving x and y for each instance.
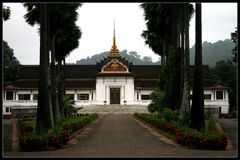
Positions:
(114, 95)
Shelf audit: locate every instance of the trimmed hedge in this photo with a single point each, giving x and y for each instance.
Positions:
(209, 139)
(30, 141)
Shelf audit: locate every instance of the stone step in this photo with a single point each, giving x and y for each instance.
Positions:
(114, 108)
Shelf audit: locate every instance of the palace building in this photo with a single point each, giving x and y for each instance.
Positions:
(114, 80)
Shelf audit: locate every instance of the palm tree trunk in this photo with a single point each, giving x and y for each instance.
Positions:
(185, 105)
(197, 110)
(64, 85)
(54, 82)
(176, 74)
(60, 89)
(44, 118)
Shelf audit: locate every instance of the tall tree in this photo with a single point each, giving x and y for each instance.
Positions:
(6, 13)
(44, 110)
(165, 31)
(234, 38)
(60, 15)
(64, 45)
(185, 110)
(225, 72)
(10, 64)
(197, 110)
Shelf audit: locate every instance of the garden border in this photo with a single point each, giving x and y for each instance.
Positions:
(156, 132)
(74, 136)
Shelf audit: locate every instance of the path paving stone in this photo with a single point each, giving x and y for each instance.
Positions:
(7, 134)
(119, 135)
(229, 127)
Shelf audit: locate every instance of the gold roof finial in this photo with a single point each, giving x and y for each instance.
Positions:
(114, 52)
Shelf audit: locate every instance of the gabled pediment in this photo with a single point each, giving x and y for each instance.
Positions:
(114, 66)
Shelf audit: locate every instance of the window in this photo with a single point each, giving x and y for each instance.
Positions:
(207, 96)
(71, 96)
(83, 96)
(7, 109)
(24, 96)
(219, 94)
(9, 95)
(137, 95)
(145, 97)
(190, 96)
(35, 96)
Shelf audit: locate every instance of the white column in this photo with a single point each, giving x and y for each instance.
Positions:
(227, 98)
(121, 94)
(75, 95)
(124, 91)
(31, 96)
(139, 95)
(105, 93)
(17, 95)
(14, 95)
(90, 95)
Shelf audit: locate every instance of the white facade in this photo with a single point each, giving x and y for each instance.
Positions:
(125, 84)
(214, 102)
(101, 96)
(114, 85)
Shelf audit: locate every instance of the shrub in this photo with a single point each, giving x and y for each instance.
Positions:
(68, 105)
(33, 143)
(201, 140)
(30, 141)
(170, 115)
(211, 125)
(209, 139)
(233, 114)
(158, 101)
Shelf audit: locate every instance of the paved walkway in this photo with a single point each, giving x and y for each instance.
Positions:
(7, 134)
(229, 127)
(120, 135)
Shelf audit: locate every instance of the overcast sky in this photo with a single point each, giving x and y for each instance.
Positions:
(96, 23)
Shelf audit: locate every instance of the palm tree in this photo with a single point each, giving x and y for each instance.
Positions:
(64, 45)
(44, 110)
(197, 110)
(185, 102)
(58, 16)
(6, 12)
(61, 14)
(165, 29)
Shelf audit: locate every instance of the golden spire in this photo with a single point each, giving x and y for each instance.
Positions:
(114, 52)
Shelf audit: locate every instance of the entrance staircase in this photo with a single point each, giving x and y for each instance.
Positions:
(113, 108)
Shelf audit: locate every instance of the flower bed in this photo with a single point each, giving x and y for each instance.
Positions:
(30, 141)
(209, 139)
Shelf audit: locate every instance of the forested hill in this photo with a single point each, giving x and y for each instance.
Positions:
(213, 52)
(131, 56)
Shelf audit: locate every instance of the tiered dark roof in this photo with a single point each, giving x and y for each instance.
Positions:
(84, 76)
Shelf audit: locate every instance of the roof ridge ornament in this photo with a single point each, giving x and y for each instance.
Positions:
(114, 52)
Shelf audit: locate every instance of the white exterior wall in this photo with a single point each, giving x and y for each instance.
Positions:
(139, 101)
(128, 95)
(216, 103)
(80, 103)
(103, 85)
(19, 103)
